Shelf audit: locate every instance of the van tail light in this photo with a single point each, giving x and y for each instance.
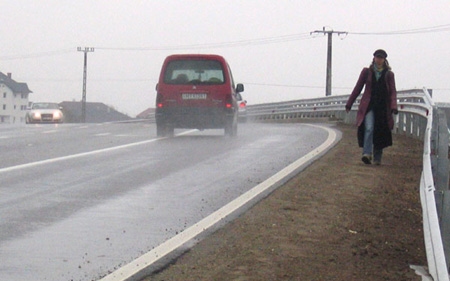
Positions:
(242, 105)
(229, 102)
(159, 102)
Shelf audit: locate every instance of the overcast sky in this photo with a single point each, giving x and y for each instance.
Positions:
(267, 44)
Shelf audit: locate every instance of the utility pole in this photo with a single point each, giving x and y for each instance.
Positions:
(330, 38)
(83, 99)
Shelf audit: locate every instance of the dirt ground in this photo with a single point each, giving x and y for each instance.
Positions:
(339, 219)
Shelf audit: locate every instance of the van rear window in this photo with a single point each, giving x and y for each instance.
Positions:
(180, 72)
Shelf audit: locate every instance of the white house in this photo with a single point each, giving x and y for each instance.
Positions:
(13, 100)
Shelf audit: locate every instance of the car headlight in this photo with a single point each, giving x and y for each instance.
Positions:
(36, 115)
(57, 115)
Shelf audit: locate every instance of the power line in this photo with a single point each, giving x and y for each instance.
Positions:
(272, 40)
(240, 43)
(431, 29)
(37, 55)
(231, 44)
(284, 85)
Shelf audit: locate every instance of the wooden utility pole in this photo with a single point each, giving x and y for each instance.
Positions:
(330, 38)
(83, 99)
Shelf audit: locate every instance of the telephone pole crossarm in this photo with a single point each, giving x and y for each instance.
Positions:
(329, 31)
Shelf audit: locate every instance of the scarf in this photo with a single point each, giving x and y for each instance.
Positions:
(377, 71)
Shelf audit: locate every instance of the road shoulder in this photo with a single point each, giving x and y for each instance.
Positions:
(337, 220)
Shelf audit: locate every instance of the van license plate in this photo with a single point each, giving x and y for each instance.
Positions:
(187, 96)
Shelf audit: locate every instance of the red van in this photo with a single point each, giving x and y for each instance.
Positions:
(196, 92)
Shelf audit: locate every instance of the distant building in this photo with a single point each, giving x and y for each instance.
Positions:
(149, 113)
(13, 100)
(96, 112)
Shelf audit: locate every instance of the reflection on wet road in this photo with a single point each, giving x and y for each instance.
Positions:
(79, 202)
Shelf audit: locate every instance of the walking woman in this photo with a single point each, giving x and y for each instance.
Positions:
(378, 103)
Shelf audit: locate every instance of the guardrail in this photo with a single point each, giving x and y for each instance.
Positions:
(419, 118)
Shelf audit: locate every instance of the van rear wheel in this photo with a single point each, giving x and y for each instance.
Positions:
(231, 129)
(164, 130)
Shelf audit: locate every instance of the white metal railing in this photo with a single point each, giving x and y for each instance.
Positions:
(415, 118)
(412, 101)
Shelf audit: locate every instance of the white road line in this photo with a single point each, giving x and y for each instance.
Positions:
(102, 134)
(132, 271)
(53, 160)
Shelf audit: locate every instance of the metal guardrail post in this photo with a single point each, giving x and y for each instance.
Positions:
(408, 128)
(434, 151)
(445, 225)
(441, 180)
(401, 122)
(441, 152)
(423, 127)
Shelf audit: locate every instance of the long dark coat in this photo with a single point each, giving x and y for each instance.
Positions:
(365, 81)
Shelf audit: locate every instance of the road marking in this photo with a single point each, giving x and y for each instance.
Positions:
(102, 134)
(135, 269)
(63, 158)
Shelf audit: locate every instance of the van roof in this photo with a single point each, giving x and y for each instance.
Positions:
(195, 56)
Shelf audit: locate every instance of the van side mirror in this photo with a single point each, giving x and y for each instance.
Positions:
(239, 88)
(156, 87)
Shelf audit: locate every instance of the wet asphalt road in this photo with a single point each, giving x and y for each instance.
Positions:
(80, 200)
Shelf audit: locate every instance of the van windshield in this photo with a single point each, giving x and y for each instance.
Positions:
(194, 72)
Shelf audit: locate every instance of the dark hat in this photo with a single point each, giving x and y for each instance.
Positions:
(380, 53)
